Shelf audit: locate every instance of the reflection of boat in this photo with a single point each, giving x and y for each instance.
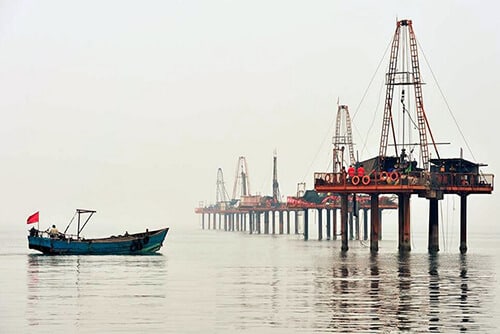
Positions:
(147, 242)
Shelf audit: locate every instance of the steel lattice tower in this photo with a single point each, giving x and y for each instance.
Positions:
(221, 193)
(398, 75)
(342, 138)
(241, 182)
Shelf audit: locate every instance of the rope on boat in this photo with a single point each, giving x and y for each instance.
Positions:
(70, 223)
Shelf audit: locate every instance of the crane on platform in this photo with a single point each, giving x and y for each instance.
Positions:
(276, 187)
(241, 181)
(221, 193)
(404, 71)
(342, 139)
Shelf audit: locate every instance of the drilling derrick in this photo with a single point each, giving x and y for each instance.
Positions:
(221, 194)
(402, 174)
(276, 188)
(342, 138)
(405, 72)
(241, 182)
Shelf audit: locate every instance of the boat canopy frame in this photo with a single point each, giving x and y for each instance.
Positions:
(80, 212)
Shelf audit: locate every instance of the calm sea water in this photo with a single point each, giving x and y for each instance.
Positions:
(227, 282)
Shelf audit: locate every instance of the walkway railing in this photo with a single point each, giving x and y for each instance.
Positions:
(410, 180)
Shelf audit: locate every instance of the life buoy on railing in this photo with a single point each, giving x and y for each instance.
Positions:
(394, 176)
(355, 180)
(327, 178)
(464, 182)
(366, 180)
(383, 176)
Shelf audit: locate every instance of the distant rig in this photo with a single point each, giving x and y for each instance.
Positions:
(260, 214)
(373, 184)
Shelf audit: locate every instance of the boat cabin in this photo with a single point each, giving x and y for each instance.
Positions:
(454, 165)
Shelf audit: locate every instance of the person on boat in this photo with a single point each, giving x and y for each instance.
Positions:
(33, 232)
(53, 232)
(351, 172)
(361, 171)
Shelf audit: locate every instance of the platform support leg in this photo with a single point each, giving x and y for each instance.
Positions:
(433, 226)
(280, 218)
(334, 224)
(463, 224)
(365, 224)
(288, 222)
(343, 221)
(404, 222)
(296, 222)
(374, 223)
(306, 224)
(328, 223)
(320, 224)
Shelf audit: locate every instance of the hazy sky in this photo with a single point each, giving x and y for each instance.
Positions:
(130, 107)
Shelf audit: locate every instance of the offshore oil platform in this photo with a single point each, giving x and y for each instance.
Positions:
(258, 214)
(372, 184)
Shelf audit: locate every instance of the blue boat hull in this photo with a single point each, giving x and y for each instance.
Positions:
(139, 243)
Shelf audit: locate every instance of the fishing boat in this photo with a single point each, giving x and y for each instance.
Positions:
(147, 242)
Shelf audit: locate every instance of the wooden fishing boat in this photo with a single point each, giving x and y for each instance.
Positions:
(147, 242)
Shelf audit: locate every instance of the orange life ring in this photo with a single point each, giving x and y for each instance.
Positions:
(383, 176)
(394, 176)
(365, 180)
(355, 180)
(464, 182)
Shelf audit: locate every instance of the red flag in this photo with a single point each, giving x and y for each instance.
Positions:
(33, 218)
